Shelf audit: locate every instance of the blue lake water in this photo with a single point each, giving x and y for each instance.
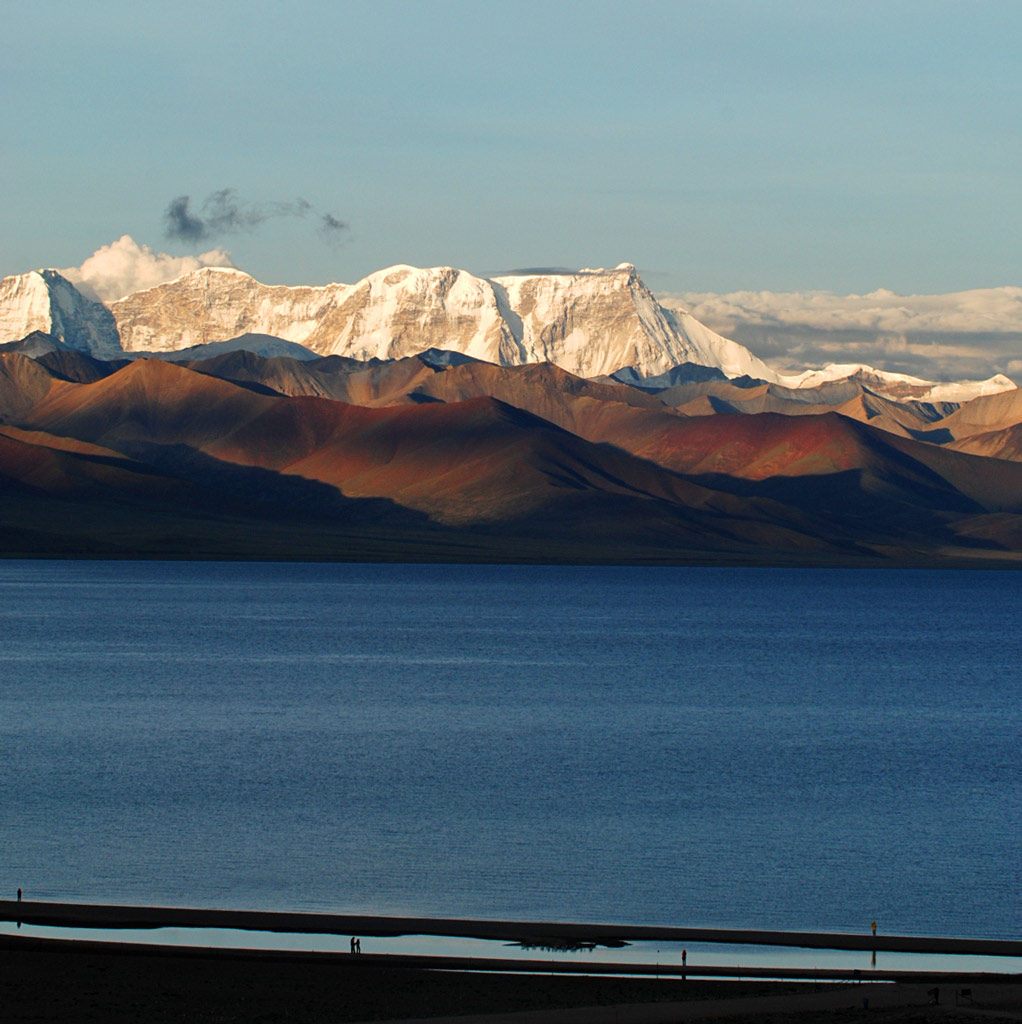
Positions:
(805, 749)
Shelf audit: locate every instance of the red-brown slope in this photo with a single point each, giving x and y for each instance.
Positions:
(780, 450)
(472, 462)
(146, 400)
(56, 442)
(1005, 443)
(345, 380)
(456, 461)
(154, 401)
(463, 463)
(23, 383)
(773, 482)
(540, 388)
(984, 414)
(595, 411)
(59, 468)
(756, 446)
(532, 383)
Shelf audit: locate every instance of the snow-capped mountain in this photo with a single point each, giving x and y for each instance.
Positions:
(42, 300)
(590, 323)
(900, 387)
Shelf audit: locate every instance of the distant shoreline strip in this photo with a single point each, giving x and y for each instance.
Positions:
(496, 965)
(84, 915)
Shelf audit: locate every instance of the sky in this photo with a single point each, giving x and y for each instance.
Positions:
(730, 147)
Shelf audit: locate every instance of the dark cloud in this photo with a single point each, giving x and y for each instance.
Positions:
(181, 223)
(332, 228)
(225, 213)
(331, 223)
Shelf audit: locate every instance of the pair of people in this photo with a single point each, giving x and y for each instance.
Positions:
(356, 945)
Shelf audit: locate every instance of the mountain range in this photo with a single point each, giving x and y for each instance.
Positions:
(429, 415)
(591, 323)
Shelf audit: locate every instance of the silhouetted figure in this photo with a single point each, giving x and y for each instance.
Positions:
(353, 944)
(358, 945)
(19, 895)
(874, 924)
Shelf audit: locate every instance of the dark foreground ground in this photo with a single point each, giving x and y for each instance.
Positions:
(52, 983)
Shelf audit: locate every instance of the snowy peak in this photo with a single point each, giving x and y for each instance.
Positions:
(899, 386)
(592, 322)
(403, 310)
(42, 300)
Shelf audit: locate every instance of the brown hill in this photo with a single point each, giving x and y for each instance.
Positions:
(23, 382)
(534, 387)
(476, 463)
(753, 447)
(449, 469)
(908, 419)
(374, 382)
(985, 414)
(147, 399)
(1005, 443)
(833, 467)
(36, 466)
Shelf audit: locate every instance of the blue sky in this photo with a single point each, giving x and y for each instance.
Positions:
(719, 146)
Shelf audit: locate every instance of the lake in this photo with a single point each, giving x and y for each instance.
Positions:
(766, 748)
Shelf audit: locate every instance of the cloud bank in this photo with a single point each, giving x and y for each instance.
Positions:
(970, 334)
(124, 266)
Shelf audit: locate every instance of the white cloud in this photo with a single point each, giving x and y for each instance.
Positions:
(124, 266)
(940, 337)
(982, 310)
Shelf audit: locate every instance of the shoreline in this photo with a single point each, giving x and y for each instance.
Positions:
(500, 556)
(93, 915)
(75, 981)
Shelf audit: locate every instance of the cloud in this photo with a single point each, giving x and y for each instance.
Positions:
(226, 213)
(981, 310)
(940, 337)
(331, 228)
(124, 266)
(181, 223)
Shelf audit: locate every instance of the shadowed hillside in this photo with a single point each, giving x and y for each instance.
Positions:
(242, 454)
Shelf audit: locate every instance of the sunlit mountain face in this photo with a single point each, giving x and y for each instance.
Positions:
(591, 323)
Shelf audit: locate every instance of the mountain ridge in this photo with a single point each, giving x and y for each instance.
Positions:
(592, 323)
(158, 457)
